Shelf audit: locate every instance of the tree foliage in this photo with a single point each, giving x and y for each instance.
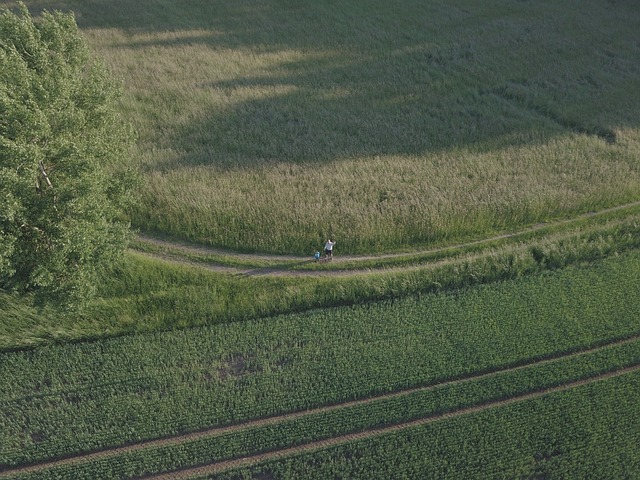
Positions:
(64, 186)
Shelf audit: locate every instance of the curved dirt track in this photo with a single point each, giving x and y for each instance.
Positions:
(216, 431)
(190, 248)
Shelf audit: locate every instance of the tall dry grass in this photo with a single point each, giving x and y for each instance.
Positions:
(273, 125)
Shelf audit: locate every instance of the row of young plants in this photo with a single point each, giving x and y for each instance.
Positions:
(64, 399)
(144, 294)
(329, 423)
(591, 431)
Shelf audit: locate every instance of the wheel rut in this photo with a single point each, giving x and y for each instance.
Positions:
(222, 466)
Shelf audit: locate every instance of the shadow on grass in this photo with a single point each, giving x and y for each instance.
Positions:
(288, 269)
(378, 78)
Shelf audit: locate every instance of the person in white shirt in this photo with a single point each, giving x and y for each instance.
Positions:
(328, 249)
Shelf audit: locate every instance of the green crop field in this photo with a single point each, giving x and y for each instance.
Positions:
(319, 375)
(586, 433)
(479, 165)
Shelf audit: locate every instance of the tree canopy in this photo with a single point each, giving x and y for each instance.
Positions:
(64, 184)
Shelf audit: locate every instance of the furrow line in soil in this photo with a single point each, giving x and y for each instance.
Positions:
(219, 467)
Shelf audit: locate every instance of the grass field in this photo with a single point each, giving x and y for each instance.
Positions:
(272, 125)
(479, 165)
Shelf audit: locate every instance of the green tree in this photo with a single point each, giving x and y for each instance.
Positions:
(64, 184)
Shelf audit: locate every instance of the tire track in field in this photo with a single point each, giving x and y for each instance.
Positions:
(217, 431)
(187, 247)
(224, 465)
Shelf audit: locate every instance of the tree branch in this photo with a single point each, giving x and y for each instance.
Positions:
(44, 174)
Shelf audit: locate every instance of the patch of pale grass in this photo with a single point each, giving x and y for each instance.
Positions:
(389, 202)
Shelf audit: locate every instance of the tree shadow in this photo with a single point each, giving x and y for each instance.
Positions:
(378, 78)
(309, 124)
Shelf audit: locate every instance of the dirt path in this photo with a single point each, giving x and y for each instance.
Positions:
(285, 272)
(191, 248)
(216, 431)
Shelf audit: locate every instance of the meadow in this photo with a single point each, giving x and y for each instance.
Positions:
(271, 126)
(147, 292)
(478, 163)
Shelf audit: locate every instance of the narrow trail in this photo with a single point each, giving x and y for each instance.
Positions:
(191, 248)
(219, 467)
(217, 431)
(285, 272)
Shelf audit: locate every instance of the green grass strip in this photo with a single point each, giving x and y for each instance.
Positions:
(145, 295)
(606, 219)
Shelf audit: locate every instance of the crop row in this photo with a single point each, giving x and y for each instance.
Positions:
(592, 431)
(285, 432)
(65, 399)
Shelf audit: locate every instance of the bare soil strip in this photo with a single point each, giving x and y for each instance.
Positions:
(216, 431)
(202, 249)
(322, 444)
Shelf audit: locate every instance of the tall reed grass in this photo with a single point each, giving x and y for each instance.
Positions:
(273, 126)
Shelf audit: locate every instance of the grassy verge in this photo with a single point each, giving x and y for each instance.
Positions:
(143, 294)
(197, 254)
(597, 221)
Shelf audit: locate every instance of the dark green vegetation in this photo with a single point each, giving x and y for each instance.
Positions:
(147, 294)
(157, 385)
(63, 188)
(271, 126)
(589, 432)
